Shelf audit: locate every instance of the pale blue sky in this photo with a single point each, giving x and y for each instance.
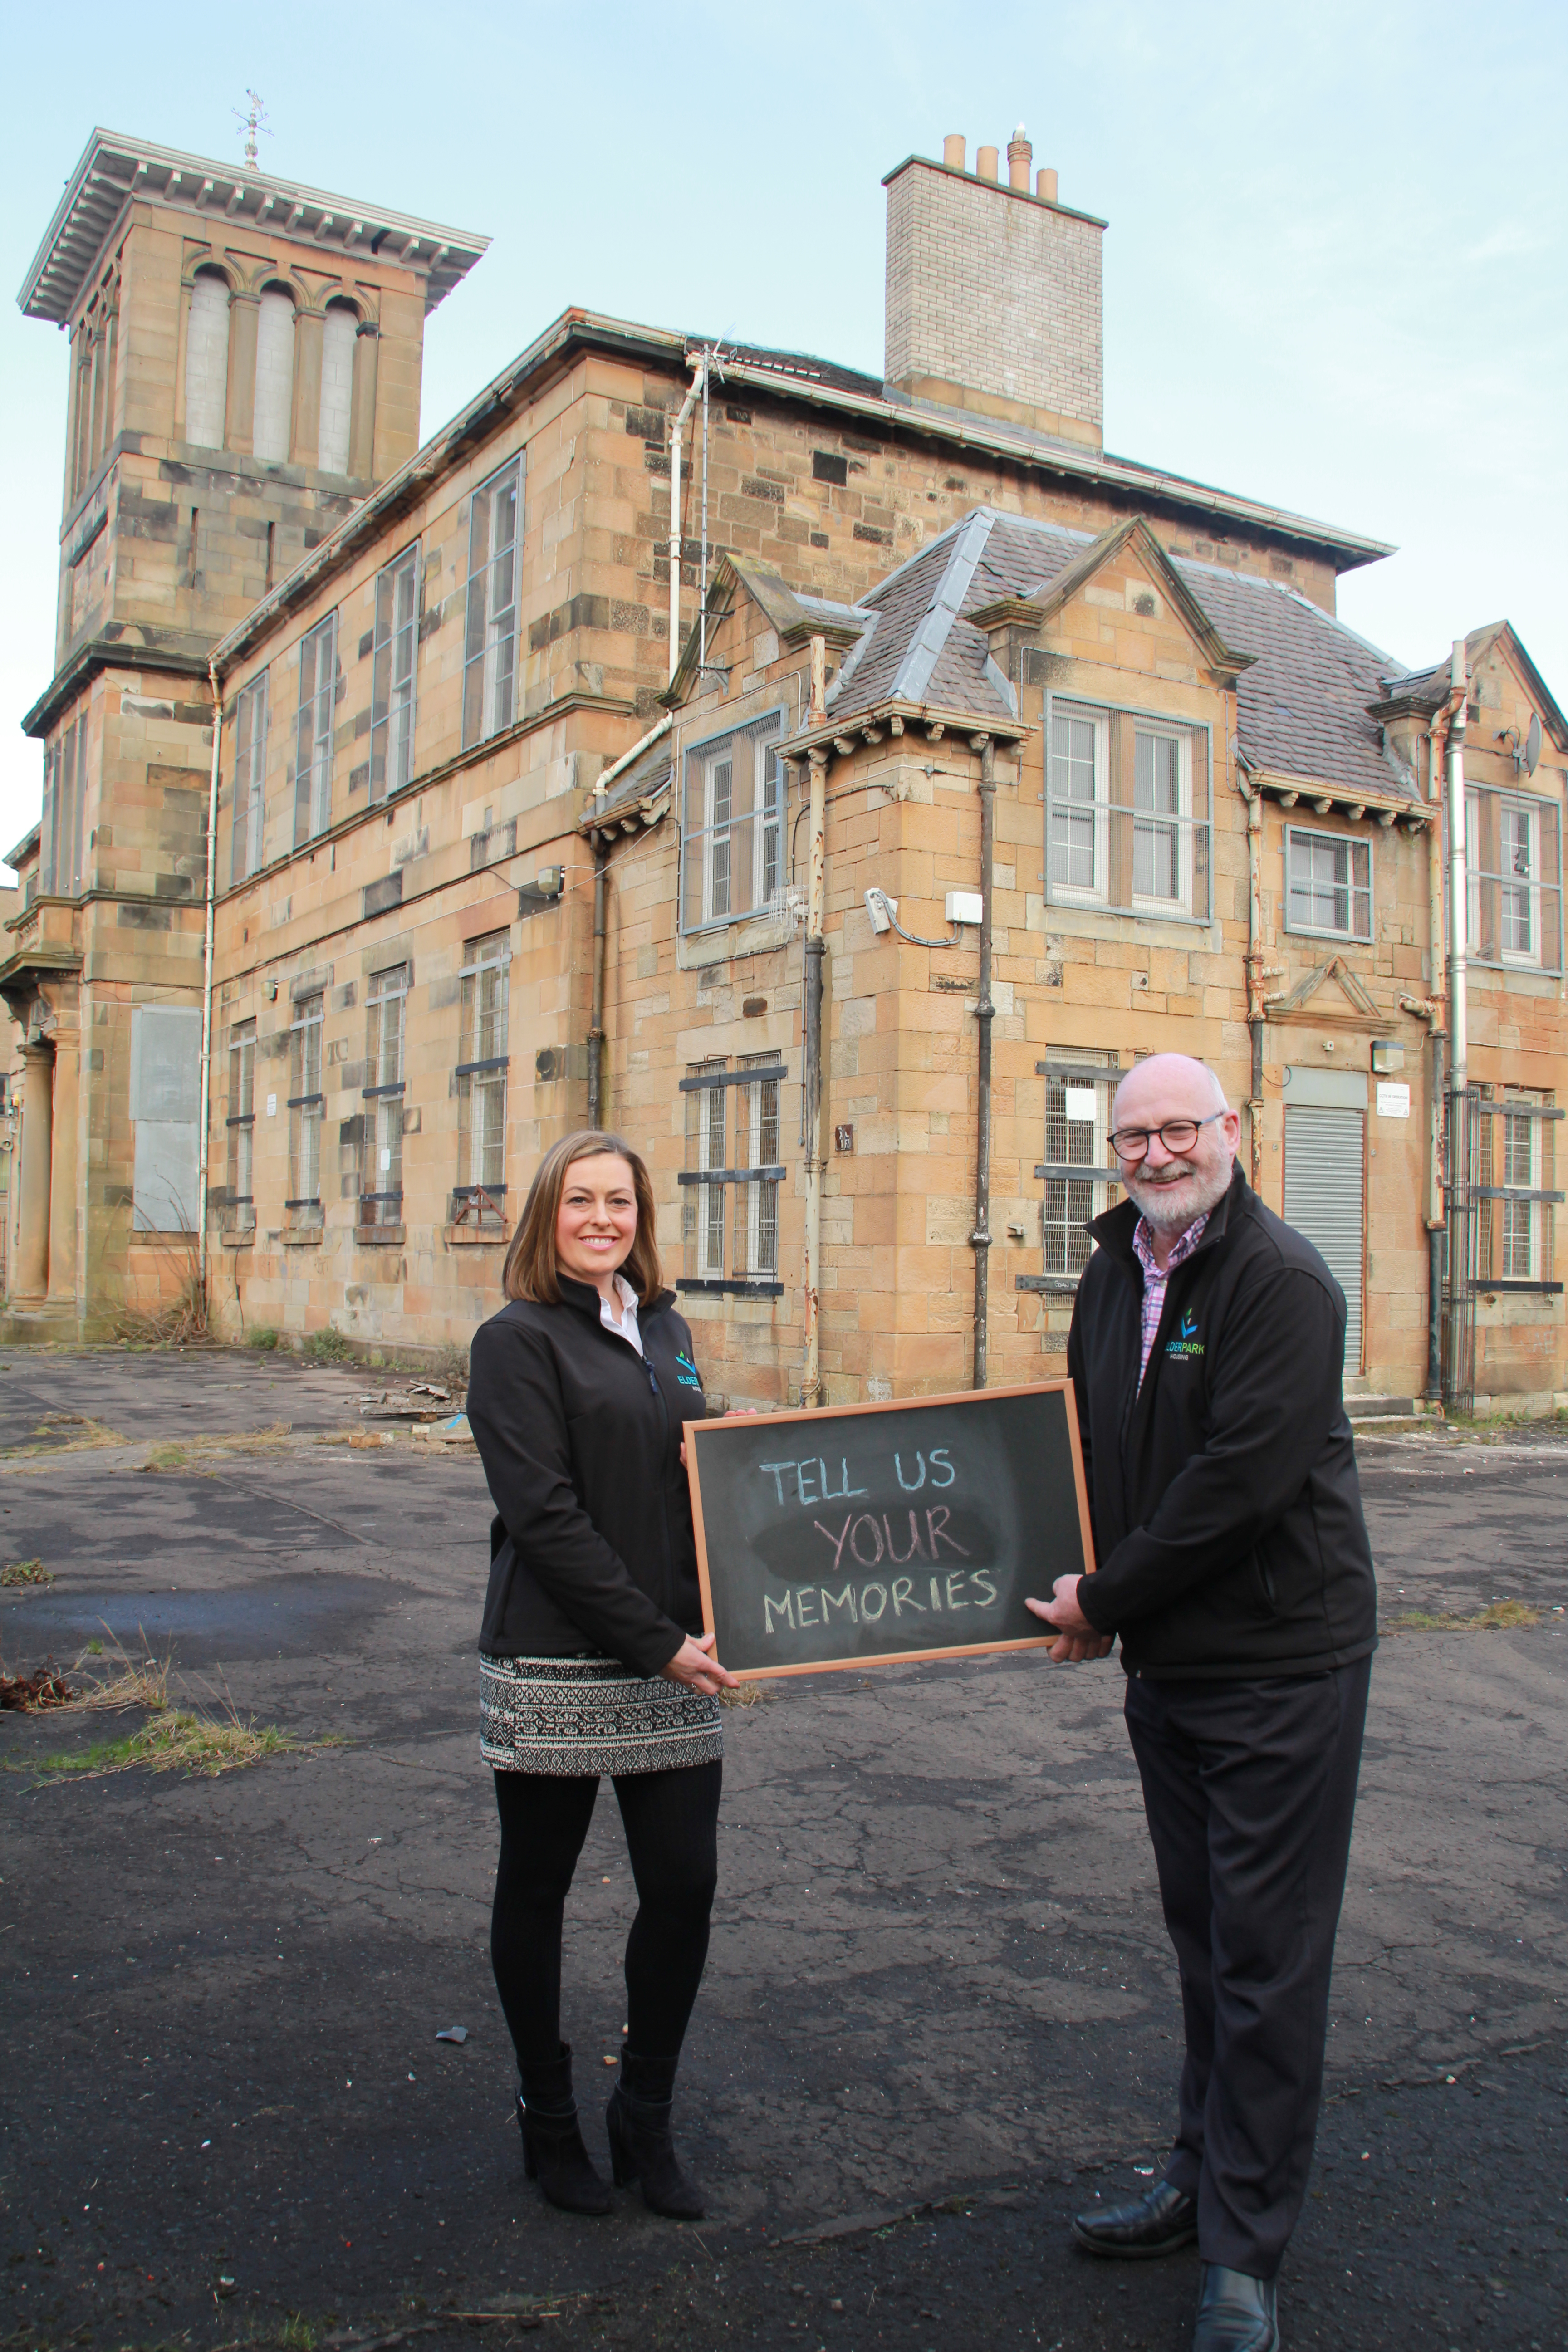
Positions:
(1334, 271)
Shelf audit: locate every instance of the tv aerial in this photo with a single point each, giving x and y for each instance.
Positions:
(1523, 750)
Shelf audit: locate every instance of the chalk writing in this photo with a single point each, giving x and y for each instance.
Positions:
(805, 1606)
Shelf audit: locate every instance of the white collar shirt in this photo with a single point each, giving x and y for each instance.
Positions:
(626, 1328)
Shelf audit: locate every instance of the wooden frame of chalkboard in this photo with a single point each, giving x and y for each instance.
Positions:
(966, 1501)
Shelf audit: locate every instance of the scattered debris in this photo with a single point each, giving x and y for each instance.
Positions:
(453, 2033)
(455, 1432)
(27, 1571)
(364, 1441)
(420, 1401)
(30, 1694)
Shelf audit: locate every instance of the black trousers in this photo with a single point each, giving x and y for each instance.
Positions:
(671, 1823)
(1250, 1789)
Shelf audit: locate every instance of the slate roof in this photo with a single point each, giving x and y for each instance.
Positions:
(633, 789)
(1302, 703)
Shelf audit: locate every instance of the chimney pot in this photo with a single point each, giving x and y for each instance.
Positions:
(1020, 155)
(985, 162)
(954, 150)
(1045, 186)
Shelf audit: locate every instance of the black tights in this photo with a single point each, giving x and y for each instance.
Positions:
(671, 1823)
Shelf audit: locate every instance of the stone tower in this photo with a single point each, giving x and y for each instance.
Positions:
(245, 360)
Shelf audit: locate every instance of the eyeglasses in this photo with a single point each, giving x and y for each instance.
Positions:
(1177, 1135)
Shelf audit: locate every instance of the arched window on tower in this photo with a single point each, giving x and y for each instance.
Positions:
(274, 377)
(338, 335)
(207, 361)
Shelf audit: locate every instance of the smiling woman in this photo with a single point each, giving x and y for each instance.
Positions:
(588, 1660)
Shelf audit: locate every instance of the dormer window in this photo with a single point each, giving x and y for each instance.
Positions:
(1127, 812)
(732, 860)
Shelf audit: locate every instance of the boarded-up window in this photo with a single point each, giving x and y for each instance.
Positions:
(338, 332)
(207, 361)
(274, 377)
(165, 1108)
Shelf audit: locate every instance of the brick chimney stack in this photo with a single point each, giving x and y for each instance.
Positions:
(993, 293)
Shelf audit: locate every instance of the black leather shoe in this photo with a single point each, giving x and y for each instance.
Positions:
(1236, 2313)
(1156, 2224)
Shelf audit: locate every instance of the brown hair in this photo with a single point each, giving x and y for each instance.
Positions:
(531, 1270)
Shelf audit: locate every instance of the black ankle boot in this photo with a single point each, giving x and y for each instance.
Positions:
(553, 2149)
(640, 2146)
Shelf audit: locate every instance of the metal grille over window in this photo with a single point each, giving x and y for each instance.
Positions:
(1513, 854)
(313, 743)
(1128, 806)
(381, 1152)
(478, 1198)
(392, 686)
(732, 1174)
(240, 1212)
(1080, 1173)
(489, 655)
(307, 1105)
(249, 777)
(1328, 885)
(731, 831)
(1514, 1157)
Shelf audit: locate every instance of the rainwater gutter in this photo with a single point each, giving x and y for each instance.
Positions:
(1434, 1012)
(1255, 1000)
(211, 893)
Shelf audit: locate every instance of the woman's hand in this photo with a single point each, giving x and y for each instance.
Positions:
(693, 1666)
(738, 1409)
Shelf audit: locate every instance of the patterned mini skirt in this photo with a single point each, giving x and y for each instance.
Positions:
(590, 1715)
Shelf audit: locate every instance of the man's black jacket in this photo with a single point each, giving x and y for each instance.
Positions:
(591, 1548)
(1227, 1510)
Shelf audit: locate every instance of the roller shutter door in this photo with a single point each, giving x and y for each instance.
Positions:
(1324, 1200)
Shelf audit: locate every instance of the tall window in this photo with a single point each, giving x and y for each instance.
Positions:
(1127, 812)
(242, 1127)
(249, 777)
(480, 1193)
(65, 795)
(731, 1181)
(733, 826)
(338, 332)
(489, 655)
(380, 1150)
(306, 1107)
(1517, 1157)
(1079, 1168)
(1328, 885)
(392, 685)
(272, 429)
(313, 736)
(1515, 872)
(207, 361)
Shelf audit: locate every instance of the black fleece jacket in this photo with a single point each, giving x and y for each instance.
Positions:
(591, 1549)
(1226, 1510)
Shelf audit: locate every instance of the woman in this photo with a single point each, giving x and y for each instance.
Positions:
(589, 1660)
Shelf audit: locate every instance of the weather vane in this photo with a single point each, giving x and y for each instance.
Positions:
(254, 120)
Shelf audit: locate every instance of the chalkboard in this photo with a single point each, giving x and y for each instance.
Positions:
(867, 1534)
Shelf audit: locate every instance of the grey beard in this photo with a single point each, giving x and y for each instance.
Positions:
(1194, 1196)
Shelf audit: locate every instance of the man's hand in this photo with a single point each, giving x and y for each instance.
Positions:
(1077, 1639)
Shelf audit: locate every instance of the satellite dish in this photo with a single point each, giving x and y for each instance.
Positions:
(1529, 759)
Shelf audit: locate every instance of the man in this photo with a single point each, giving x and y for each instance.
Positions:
(1206, 1350)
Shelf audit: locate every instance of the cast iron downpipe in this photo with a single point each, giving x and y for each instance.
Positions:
(984, 1012)
(596, 1019)
(815, 950)
(210, 895)
(1458, 1029)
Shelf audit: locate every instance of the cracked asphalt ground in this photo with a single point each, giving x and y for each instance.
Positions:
(939, 2013)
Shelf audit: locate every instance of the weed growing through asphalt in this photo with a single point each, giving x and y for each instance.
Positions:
(64, 1432)
(194, 1453)
(328, 1347)
(176, 1741)
(1496, 1617)
(263, 1338)
(27, 1571)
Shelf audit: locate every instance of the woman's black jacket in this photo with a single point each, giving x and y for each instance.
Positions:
(591, 1548)
(1226, 1510)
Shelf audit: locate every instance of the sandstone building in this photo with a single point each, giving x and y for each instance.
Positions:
(839, 836)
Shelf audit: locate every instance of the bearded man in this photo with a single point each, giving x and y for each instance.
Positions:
(1206, 1351)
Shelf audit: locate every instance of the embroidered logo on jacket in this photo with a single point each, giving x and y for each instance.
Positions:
(686, 1375)
(1185, 1341)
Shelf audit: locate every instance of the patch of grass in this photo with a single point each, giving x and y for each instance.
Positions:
(27, 1571)
(171, 1457)
(176, 1741)
(1498, 1615)
(297, 2336)
(750, 1695)
(64, 1432)
(194, 1453)
(263, 1338)
(327, 1347)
